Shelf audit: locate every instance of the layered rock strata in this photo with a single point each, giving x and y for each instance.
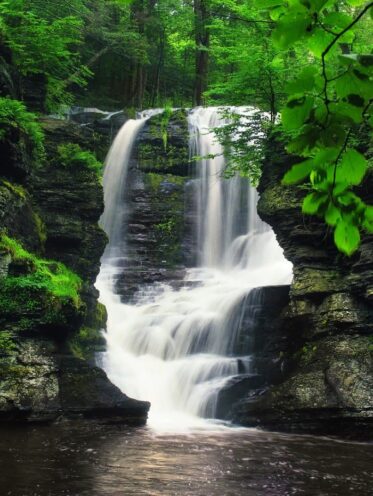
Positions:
(47, 337)
(327, 327)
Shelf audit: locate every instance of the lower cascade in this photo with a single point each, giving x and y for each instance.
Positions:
(174, 346)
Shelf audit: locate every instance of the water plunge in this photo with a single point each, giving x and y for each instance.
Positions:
(174, 347)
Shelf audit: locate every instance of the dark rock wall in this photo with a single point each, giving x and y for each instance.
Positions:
(45, 339)
(157, 236)
(328, 384)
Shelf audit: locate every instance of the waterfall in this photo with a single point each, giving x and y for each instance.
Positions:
(174, 347)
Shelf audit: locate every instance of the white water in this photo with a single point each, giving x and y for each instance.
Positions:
(174, 349)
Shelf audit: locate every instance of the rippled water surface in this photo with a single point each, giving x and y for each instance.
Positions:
(90, 459)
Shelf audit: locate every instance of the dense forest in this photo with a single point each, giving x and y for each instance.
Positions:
(309, 60)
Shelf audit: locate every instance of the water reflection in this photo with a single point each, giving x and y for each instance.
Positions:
(97, 460)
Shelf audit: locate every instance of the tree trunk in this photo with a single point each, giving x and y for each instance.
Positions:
(202, 38)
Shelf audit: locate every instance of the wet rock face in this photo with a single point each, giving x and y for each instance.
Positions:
(327, 385)
(262, 337)
(45, 337)
(42, 382)
(157, 237)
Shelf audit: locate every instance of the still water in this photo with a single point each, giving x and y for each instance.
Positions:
(88, 459)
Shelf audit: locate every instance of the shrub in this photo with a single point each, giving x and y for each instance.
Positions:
(14, 115)
(72, 155)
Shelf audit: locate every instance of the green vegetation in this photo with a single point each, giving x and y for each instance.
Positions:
(309, 61)
(17, 189)
(45, 43)
(327, 111)
(86, 342)
(7, 344)
(164, 122)
(72, 155)
(15, 117)
(37, 274)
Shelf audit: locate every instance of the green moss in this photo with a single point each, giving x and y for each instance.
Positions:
(166, 195)
(167, 227)
(155, 180)
(86, 342)
(100, 314)
(17, 189)
(53, 277)
(40, 228)
(7, 344)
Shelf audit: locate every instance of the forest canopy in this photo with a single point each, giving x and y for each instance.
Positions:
(309, 61)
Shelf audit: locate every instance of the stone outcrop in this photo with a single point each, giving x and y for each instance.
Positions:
(327, 385)
(158, 241)
(47, 338)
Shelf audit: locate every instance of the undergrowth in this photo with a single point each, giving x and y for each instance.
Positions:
(14, 115)
(72, 155)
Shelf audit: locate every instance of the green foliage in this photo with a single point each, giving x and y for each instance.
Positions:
(43, 44)
(327, 110)
(15, 117)
(242, 140)
(167, 227)
(72, 155)
(39, 274)
(164, 122)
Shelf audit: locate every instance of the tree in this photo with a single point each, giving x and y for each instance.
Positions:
(202, 38)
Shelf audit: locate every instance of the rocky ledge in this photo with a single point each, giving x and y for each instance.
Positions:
(50, 320)
(327, 380)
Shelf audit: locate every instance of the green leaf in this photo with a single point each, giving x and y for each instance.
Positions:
(296, 112)
(265, 4)
(298, 172)
(354, 82)
(304, 143)
(339, 188)
(334, 135)
(368, 219)
(346, 237)
(277, 12)
(337, 19)
(353, 113)
(352, 167)
(319, 40)
(304, 82)
(291, 28)
(356, 3)
(325, 156)
(332, 214)
(349, 199)
(313, 202)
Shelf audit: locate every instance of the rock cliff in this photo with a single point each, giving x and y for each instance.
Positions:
(327, 353)
(50, 320)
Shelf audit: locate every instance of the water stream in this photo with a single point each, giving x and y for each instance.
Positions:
(173, 347)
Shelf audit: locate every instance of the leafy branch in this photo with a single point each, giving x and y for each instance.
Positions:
(327, 111)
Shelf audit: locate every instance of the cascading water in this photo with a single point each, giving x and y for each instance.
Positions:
(175, 349)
